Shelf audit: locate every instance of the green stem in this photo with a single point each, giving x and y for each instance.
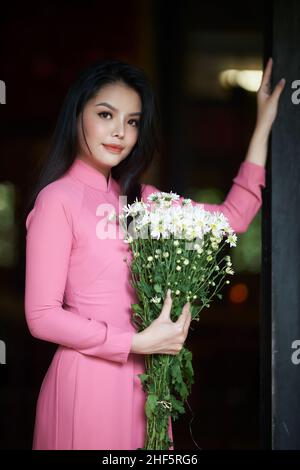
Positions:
(157, 425)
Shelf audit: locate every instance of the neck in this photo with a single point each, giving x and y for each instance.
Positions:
(92, 163)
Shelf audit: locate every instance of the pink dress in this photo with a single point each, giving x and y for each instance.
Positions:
(78, 295)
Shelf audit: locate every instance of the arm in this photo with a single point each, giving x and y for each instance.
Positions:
(243, 200)
(48, 249)
(267, 104)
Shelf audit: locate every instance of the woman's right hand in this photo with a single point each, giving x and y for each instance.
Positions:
(163, 336)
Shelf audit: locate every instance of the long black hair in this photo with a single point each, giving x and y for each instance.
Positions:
(63, 146)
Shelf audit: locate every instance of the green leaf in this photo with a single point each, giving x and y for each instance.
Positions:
(177, 311)
(146, 289)
(177, 405)
(143, 377)
(137, 308)
(181, 388)
(162, 434)
(150, 405)
(158, 288)
(176, 373)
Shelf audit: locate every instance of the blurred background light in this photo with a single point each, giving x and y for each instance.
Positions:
(238, 293)
(247, 79)
(7, 225)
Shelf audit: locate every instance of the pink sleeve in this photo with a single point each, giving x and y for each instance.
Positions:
(48, 248)
(243, 199)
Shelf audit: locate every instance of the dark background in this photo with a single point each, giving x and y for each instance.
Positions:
(206, 131)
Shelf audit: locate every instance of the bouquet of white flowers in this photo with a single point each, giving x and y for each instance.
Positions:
(175, 245)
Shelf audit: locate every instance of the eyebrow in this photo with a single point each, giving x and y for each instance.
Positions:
(115, 109)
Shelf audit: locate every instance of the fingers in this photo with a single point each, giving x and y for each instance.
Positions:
(188, 320)
(266, 78)
(184, 319)
(266, 82)
(181, 321)
(278, 89)
(166, 309)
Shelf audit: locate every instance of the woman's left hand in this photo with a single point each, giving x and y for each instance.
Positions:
(267, 102)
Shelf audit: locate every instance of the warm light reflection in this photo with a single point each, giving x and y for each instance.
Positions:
(238, 293)
(247, 79)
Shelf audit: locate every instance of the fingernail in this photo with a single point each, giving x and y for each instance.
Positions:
(169, 292)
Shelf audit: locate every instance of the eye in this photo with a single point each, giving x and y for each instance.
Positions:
(136, 122)
(107, 113)
(104, 112)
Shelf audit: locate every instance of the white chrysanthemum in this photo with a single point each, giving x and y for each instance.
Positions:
(228, 270)
(231, 239)
(218, 224)
(174, 219)
(136, 208)
(186, 201)
(192, 233)
(143, 219)
(158, 231)
(170, 216)
(155, 300)
(161, 197)
(156, 225)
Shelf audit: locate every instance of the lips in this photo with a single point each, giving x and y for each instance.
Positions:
(113, 148)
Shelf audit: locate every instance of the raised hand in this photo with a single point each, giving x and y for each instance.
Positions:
(267, 101)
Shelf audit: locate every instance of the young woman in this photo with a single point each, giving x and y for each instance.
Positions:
(78, 292)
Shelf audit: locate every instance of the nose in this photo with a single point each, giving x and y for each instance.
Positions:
(119, 130)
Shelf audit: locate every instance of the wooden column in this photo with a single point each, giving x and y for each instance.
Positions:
(280, 315)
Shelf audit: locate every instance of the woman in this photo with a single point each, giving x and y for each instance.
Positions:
(78, 292)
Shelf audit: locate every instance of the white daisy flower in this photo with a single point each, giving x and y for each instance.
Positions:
(155, 300)
(231, 239)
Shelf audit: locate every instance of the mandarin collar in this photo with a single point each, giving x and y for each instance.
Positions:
(89, 175)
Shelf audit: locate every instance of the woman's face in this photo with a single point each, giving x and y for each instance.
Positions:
(114, 123)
